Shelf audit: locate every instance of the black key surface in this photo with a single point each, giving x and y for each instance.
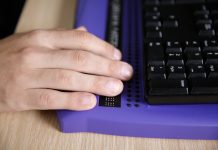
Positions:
(173, 47)
(175, 59)
(211, 57)
(204, 86)
(206, 33)
(156, 72)
(168, 87)
(194, 58)
(212, 71)
(196, 71)
(192, 46)
(176, 72)
(155, 52)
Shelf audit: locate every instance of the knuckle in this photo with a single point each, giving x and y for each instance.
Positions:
(27, 51)
(28, 54)
(37, 34)
(84, 35)
(79, 57)
(45, 99)
(112, 67)
(98, 84)
(63, 78)
(108, 48)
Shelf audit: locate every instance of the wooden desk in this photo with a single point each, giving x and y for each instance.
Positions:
(38, 130)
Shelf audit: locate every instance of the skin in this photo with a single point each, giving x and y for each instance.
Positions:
(58, 69)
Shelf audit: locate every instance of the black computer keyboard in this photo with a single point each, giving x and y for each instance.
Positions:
(181, 51)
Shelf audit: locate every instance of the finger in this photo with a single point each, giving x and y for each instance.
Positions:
(82, 28)
(51, 99)
(74, 81)
(73, 39)
(82, 61)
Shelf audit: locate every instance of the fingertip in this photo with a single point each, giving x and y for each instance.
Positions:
(117, 54)
(82, 28)
(85, 101)
(114, 87)
(127, 71)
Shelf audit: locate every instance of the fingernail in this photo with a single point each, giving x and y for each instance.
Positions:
(126, 71)
(117, 54)
(113, 87)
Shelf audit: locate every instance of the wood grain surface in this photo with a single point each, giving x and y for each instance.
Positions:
(38, 130)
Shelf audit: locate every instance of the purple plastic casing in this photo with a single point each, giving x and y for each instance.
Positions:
(161, 121)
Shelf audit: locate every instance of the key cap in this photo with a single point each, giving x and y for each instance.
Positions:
(174, 59)
(204, 86)
(202, 16)
(206, 33)
(210, 45)
(168, 87)
(176, 72)
(204, 21)
(152, 14)
(154, 34)
(194, 58)
(192, 46)
(196, 71)
(170, 24)
(205, 27)
(211, 57)
(156, 72)
(173, 47)
(153, 23)
(201, 12)
(155, 54)
(212, 71)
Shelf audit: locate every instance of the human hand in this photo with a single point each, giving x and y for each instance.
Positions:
(58, 69)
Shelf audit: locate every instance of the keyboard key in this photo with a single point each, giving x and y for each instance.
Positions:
(204, 86)
(196, 71)
(156, 72)
(204, 21)
(211, 57)
(205, 27)
(168, 87)
(154, 35)
(155, 54)
(170, 24)
(206, 33)
(201, 12)
(152, 13)
(176, 72)
(153, 23)
(194, 58)
(174, 59)
(192, 46)
(210, 45)
(212, 71)
(173, 47)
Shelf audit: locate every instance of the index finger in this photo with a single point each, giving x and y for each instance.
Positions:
(78, 39)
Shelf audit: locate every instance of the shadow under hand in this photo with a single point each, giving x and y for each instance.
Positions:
(50, 118)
